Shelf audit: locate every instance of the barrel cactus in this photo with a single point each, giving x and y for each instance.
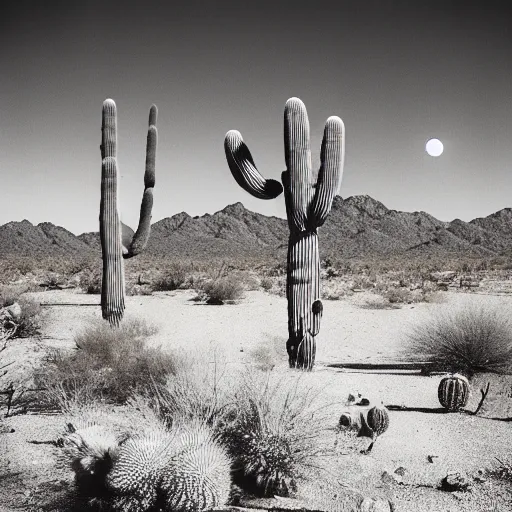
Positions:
(119, 241)
(365, 422)
(453, 392)
(378, 419)
(90, 450)
(184, 469)
(265, 460)
(308, 202)
(199, 474)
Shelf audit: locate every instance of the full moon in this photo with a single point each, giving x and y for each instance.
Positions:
(434, 147)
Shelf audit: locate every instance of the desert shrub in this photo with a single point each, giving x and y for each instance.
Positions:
(373, 301)
(223, 289)
(266, 284)
(107, 364)
(139, 289)
(469, 341)
(269, 353)
(399, 296)
(174, 277)
(277, 432)
(29, 321)
(90, 281)
(248, 280)
(52, 280)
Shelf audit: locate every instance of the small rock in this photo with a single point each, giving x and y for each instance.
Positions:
(431, 458)
(480, 476)
(400, 471)
(454, 482)
(375, 505)
(387, 478)
(14, 310)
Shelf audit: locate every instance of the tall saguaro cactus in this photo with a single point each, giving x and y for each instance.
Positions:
(117, 241)
(307, 205)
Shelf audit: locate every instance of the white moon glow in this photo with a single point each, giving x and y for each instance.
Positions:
(434, 147)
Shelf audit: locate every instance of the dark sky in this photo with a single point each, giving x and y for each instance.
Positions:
(397, 73)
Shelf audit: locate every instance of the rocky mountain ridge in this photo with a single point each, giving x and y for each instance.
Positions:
(358, 226)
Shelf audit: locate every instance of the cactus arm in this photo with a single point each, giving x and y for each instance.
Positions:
(317, 310)
(331, 169)
(109, 129)
(112, 289)
(298, 161)
(141, 237)
(243, 168)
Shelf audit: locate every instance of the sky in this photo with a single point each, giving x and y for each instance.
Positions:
(396, 72)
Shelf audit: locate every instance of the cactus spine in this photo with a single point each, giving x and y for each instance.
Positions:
(307, 206)
(115, 243)
(453, 392)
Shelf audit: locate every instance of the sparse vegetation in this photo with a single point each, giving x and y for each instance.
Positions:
(468, 341)
(222, 289)
(29, 320)
(266, 284)
(504, 470)
(107, 364)
(90, 281)
(174, 277)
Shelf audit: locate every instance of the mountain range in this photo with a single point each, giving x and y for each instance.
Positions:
(357, 227)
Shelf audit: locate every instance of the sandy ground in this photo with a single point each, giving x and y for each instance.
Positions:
(458, 442)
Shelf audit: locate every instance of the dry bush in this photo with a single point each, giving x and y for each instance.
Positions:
(469, 341)
(139, 289)
(277, 434)
(29, 323)
(373, 301)
(270, 353)
(174, 277)
(266, 283)
(222, 289)
(248, 280)
(107, 364)
(90, 281)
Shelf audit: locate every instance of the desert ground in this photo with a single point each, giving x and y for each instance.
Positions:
(408, 461)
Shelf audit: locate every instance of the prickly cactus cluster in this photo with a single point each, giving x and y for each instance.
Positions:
(267, 463)
(264, 462)
(308, 203)
(182, 469)
(453, 392)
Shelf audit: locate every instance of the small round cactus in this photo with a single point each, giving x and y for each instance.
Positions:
(453, 392)
(198, 476)
(378, 420)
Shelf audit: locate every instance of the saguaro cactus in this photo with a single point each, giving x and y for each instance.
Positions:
(117, 241)
(307, 205)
